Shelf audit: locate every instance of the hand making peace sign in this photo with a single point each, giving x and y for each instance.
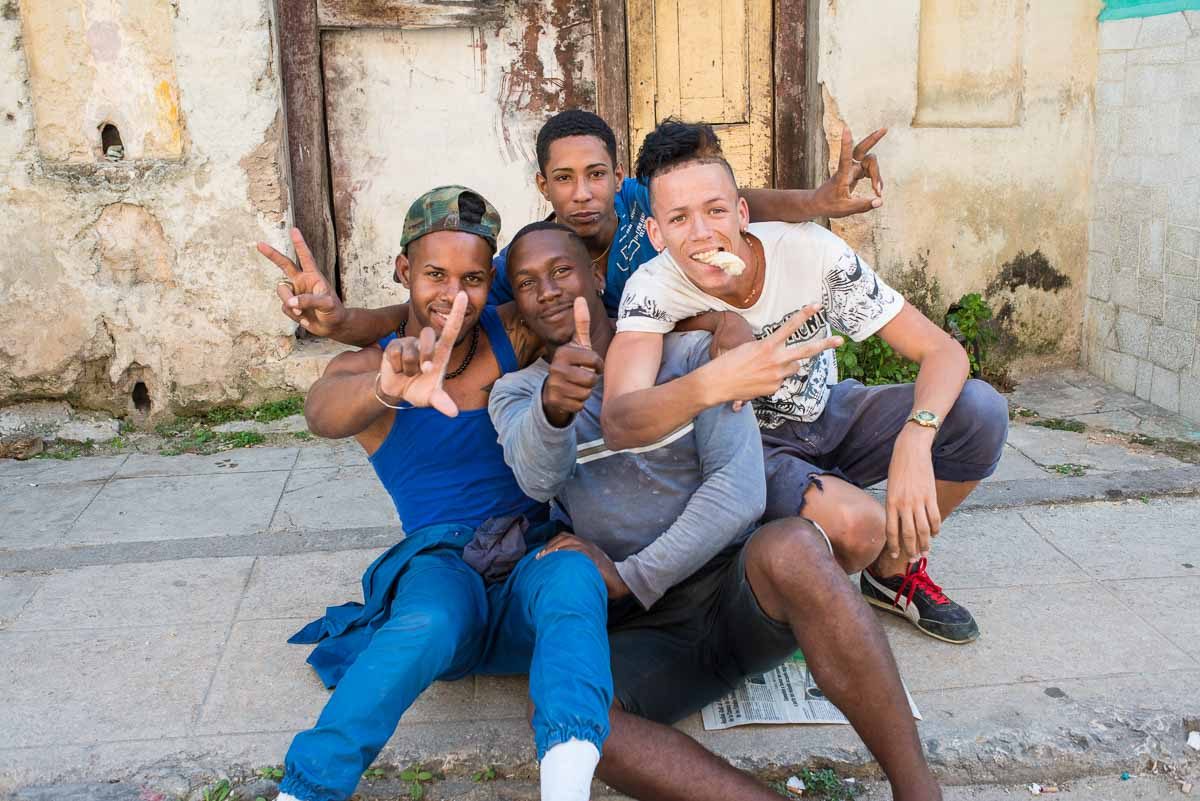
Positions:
(855, 162)
(414, 368)
(306, 295)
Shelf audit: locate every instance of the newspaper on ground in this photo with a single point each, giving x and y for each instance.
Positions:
(787, 694)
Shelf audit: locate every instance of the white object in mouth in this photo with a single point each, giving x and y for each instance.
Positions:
(729, 262)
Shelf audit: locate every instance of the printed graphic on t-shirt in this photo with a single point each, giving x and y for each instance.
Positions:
(637, 305)
(855, 297)
(806, 264)
(803, 395)
(632, 237)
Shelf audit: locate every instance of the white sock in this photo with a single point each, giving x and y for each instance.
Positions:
(567, 770)
(286, 797)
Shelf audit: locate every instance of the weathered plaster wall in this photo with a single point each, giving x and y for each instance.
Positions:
(987, 197)
(144, 269)
(408, 110)
(1142, 327)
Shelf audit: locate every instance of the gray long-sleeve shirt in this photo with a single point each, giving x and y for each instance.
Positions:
(661, 511)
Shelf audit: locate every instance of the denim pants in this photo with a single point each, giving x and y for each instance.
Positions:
(548, 618)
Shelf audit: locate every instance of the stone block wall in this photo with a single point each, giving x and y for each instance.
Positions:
(1142, 317)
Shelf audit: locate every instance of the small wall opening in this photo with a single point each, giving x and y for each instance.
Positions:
(141, 397)
(110, 142)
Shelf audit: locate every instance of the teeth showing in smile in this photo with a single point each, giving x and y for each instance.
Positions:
(729, 262)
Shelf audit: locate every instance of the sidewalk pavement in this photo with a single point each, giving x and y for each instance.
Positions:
(145, 602)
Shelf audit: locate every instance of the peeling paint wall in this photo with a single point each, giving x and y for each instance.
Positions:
(144, 269)
(989, 198)
(407, 110)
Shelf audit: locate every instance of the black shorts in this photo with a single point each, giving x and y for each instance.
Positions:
(695, 644)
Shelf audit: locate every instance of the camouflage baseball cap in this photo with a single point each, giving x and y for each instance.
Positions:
(451, 208)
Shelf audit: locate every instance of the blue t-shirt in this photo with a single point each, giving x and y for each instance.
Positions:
(441, 469)
(631, 248)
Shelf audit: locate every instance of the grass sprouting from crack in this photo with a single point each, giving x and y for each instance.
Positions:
(1059, 424)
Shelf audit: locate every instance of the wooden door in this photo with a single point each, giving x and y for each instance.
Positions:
(387, 99)
(705, 61)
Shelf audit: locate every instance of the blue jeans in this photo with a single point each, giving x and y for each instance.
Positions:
(548, 618)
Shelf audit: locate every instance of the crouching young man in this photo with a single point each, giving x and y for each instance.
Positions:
(699, 595)
(435, 607)
(824, 441)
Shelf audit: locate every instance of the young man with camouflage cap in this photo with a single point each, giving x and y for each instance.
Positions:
(463, 592)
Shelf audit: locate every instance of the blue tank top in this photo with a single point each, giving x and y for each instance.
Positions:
(442, 469)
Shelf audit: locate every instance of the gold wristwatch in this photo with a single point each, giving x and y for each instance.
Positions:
(925, 418)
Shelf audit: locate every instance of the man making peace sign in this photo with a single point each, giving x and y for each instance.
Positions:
(418, 406)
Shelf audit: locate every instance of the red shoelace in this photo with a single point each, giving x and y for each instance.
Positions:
(917, 579)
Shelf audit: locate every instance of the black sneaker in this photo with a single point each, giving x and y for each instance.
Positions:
(916, 597)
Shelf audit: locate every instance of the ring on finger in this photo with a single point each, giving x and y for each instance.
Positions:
(287, 282)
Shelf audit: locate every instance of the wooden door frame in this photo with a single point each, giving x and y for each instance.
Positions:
(301, 23)
(796, 154)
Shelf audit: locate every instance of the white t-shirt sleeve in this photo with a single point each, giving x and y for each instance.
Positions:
(653, 302)
(858, 302)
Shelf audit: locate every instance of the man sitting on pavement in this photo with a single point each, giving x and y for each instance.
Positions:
(933, 440)
(433, 609)
(699, 594)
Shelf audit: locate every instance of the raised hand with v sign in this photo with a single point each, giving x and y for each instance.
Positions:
(757, 369)
(836, 197)
(306, 295)
(414, 368)
(575, 370)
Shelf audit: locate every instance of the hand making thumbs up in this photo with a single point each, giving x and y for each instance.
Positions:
(574, 372)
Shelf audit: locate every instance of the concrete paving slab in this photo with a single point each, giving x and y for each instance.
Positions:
(996, 549)
(15, 592)
(32, 517)
(501, 697)
(1035, 633)
(264, 684)
(1067, 394)
(302, 585)
(240, 460)
(184, 591)
(332, 453)
(1171, 605)
(83, 687)
(1130, 539)
(1016, 466)
(1078, 395)
(179, 507)
(62, 471)
(1048, 447)
(338, 497)
(1008, 733)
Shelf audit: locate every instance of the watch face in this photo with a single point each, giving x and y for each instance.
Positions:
(925, 417)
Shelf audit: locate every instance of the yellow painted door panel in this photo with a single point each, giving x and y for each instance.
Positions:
(705, 61)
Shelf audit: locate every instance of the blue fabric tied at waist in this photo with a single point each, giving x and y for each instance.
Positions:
(344, 632)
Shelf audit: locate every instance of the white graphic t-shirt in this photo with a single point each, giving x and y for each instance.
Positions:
(805, 264)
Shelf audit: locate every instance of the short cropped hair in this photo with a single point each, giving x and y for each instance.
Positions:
(675, 143)
(574, 122)
(544, 225)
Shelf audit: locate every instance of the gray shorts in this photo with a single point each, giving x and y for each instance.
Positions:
(853, 440)
(695, 644)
